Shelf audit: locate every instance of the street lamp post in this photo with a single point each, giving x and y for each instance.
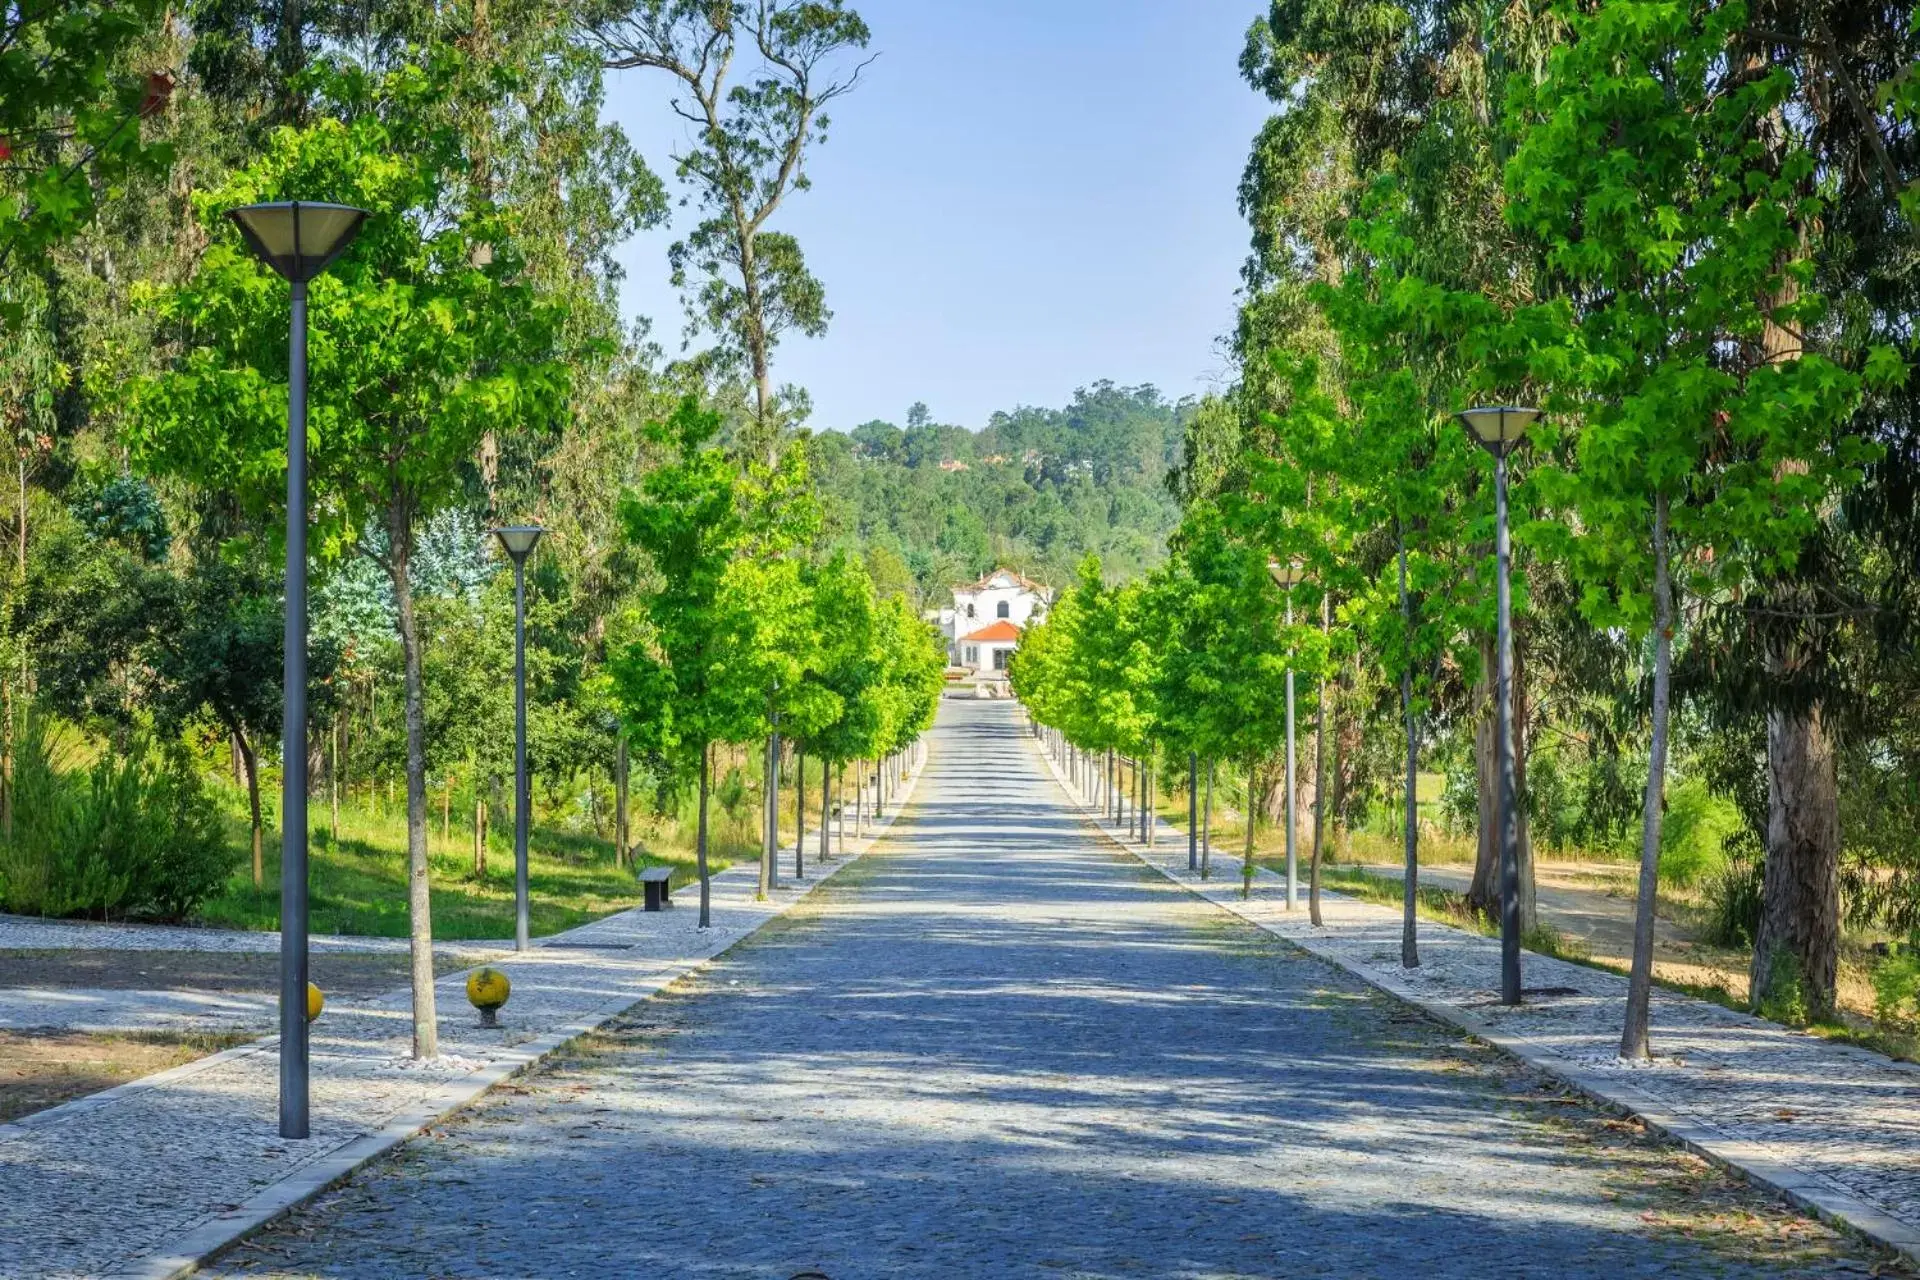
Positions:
(519, 541)
(1287, 577)
(1498, 429)
(299, 240)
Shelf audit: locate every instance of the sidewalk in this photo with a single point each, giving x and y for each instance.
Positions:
(1834, 1127)
(146, 1179)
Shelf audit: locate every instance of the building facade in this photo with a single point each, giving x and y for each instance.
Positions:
(984, 624)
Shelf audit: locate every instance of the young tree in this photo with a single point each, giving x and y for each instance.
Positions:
(1682, 453)
(422, 345)
(696, 677)
(749, 154)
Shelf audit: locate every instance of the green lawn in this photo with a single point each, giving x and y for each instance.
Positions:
(359, 885)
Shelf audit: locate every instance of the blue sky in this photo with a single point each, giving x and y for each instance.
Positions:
(1022, 197)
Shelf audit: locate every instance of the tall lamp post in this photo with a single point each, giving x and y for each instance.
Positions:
(519, 541)
(1287, 577)
(1498, 429)
(299, 240)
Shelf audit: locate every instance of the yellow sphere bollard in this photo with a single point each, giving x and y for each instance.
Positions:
(315, 1002)
(487, 990)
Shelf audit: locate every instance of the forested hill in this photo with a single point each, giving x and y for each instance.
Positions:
(1034, 490)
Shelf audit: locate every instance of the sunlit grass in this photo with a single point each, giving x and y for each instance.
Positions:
(359, 883)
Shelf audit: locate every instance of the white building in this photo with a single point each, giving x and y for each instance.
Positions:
(984, 625)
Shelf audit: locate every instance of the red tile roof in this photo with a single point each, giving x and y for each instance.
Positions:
(1001, 630)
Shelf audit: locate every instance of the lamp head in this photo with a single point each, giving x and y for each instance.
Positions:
(1497, 428)
(298, 238)
(519, 539)
(1286, 575)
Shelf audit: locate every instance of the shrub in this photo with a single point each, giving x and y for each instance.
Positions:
(1896, 990)
(1694, 833)
(135, 835)
(1733, 895)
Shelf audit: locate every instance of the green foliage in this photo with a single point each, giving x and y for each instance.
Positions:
(1694, 835)
(135, 835)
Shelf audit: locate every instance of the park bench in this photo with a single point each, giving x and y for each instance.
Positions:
(654, 883)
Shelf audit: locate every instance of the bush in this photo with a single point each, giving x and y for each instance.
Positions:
(1694, 833)
(135, 835)
(1733, 895)
(1896, 990)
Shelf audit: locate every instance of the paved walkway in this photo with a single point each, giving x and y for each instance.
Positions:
(138, 1179)
(1837, 1126)
(999, 1048)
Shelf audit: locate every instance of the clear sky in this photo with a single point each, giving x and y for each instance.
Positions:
(1021, 198)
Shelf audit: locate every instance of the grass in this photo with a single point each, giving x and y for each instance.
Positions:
(359, 883)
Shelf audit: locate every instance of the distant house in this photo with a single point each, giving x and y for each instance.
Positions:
(984, 624)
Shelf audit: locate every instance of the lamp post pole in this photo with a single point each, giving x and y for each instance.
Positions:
(1292, 814)
(293, 747)
(1503, 745)
(1498, 429)
(299, 241)
(519, 541)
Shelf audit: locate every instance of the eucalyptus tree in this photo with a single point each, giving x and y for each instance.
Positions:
(421, 347)
(748, 285)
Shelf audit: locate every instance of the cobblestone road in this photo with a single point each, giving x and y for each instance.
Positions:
(997, 1048)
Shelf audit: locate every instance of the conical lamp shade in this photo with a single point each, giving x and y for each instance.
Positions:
(298, 238)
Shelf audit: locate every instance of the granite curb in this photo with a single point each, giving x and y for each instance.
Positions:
(1806, 1190)
(185, 1255)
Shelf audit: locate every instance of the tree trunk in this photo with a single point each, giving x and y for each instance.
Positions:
(1253, 812)
(1633, 1038)
(623, 847)
(826, 810)
(700, 840)
(251, 765)
(1319, 775)
(426, 1027)
(479, 835)
(1798, 942)
(799, 813)
(333, 778)
(768, 798)
(1206, 827)
(1410, 881)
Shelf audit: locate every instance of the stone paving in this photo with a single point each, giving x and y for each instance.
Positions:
(1835, 1124)
(29, 933)
(112, 1183)
(115, 1009)
(999, 1048)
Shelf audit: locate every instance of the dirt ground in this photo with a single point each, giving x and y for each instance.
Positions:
(1592, 903)
(336, 973)
(40, 1069)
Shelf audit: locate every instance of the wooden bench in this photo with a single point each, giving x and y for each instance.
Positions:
(654, 883)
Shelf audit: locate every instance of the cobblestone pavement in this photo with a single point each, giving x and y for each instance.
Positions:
(106, 1183)
(996, 1049)
(1839, 1124)
(30, 933)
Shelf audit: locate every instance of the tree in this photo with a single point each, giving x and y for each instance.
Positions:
(1683, 452)
(749, 154)
(68, 130)
(693, 679)
(422, 346)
